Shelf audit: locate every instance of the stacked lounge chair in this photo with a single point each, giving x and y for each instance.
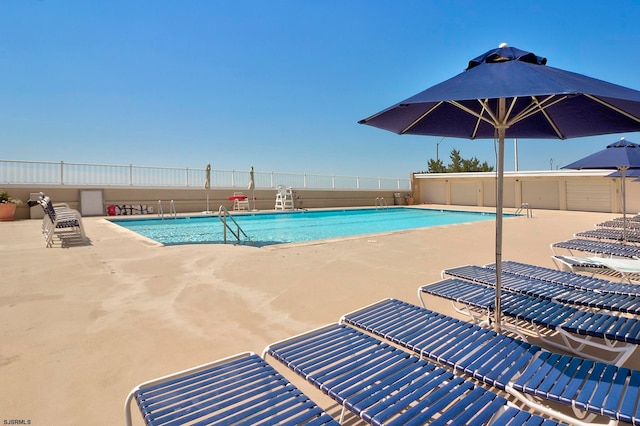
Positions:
(62, 222)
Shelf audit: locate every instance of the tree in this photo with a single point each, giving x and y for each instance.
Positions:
(458, 164)
(436, 166)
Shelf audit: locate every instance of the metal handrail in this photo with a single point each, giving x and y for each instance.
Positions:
(381, 203)
(525, 206)
(223, 213)
(172, 209)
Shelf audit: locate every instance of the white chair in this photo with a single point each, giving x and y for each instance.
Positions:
(284, 198)
(63, 222)
(238, 203)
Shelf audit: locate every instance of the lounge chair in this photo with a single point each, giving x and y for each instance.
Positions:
(383, 384)
(520, 368)
(613, 234)
(627, 269)
(620, 336)
(620, 223)
(569, 279)
(549, 290)
(634, 218)
(241, 389)
(63, 222)
(597, 247)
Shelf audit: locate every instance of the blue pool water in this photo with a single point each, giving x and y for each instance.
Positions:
(289, 227)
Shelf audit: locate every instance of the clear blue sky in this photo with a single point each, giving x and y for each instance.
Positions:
(277, 84)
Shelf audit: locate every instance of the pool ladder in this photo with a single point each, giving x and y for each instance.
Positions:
(223, 214)
(381, 203)
(172, 209)
(525, 206)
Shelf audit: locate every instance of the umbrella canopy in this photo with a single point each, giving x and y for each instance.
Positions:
(622, 156)
(511, 92)
(252, 183)
(207, 179)
(629, 173)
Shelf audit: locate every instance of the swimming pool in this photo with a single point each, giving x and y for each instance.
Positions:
(288, 227)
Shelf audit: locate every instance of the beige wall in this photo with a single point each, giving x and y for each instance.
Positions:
(194, 200)
(552, 190)
(541, 193)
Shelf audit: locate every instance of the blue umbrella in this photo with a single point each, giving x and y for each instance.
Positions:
(629, 173)
(511, 92)
(622, 156)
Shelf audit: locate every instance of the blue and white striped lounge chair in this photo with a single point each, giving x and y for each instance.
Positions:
(626, 269)
(620, 336)
(634, 218)
(386, 385)
(597, 247)
(548, 290)
(613, 234)
(620, 223)
(569, 279)
(242, 389)
(518, 367)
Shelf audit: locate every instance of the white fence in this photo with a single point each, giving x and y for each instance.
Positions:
(61, 173)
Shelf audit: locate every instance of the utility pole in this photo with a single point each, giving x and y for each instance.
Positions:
(437, 146)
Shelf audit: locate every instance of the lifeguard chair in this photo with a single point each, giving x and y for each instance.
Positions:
(284, 198)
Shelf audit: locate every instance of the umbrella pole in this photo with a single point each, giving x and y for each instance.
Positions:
(623, 172)
(499, 204)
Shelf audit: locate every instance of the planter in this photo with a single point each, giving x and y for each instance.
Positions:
(7, 211)
(409, 201)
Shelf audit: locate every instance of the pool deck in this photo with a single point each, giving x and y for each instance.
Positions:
(83, 325)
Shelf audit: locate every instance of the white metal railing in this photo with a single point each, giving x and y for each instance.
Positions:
(61, 173)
